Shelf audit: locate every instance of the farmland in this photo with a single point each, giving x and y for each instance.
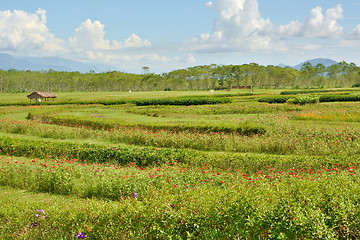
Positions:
(181, 164)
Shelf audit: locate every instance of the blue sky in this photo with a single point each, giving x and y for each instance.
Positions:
(166, 34)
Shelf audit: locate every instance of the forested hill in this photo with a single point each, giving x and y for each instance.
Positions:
(204, 77)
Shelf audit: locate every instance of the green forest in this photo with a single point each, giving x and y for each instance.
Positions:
(204, 77)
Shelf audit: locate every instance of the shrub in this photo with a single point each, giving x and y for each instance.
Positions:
(316, 91)
(183, 101)
(274, 99)
(92, 152)
(339, 98)
(302, 100)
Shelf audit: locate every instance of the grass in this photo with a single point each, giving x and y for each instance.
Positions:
(16, 98)
(194, 174)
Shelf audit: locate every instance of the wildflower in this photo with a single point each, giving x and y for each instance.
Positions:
(81, 235)
(34, 224)
(135, 194)
(172, 205)
(42, 211)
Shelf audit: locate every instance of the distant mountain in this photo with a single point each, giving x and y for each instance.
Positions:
(282, 65)
(325, 61)
(58, 64)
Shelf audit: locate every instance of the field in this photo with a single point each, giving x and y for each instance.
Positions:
(180, 165)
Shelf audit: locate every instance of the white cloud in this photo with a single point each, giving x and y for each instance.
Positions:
(22, 31)
(26, 34)
(132, 41)
(240, 27)
(355, 33)
(317, 25)
(90, 35)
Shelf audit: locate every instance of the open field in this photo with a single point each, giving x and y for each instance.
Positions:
(237, 169)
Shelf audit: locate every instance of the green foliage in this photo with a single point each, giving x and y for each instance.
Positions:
(274, 99)
(303, 100)
(174, 201)
(296, 180)
(242, 129)
(193, 78)
(315, 91)
(339, 98)
(92, 152)
(184, 101)
(321, 98)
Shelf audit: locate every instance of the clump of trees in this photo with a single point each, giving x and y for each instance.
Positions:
(204, 77)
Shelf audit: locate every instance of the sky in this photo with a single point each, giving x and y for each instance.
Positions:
(166, 35)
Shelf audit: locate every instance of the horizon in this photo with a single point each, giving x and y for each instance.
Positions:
(167, 36)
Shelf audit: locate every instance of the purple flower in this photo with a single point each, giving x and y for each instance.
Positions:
(81, 235)
(34, 224)
(42, 211)
(135, 194)
(36, 215)
(172, 205)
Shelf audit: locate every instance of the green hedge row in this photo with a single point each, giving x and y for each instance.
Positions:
(106, 124)
(149, 156)
(322, 98)
(183, 101)
(274, 99)
(339, 98)
(303, 100)
(295, 92)
(79, 102)
(142, 156)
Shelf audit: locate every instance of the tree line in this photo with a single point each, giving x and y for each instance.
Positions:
(203, 77)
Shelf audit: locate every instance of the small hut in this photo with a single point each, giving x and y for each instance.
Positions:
(41, 96)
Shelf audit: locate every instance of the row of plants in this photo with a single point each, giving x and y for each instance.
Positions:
(283, 137)
(21, 146)
(295, 92)
(179, 201)
(303, 100)
(344, 113)
(321, 98)
(339, 98)
(70, 102)
(244, 128)
(182, 101)
(205, 110)
(274, 99)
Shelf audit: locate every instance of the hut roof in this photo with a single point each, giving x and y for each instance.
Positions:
(43, 94)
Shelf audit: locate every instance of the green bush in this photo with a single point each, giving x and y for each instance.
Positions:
(302, 100)
(316, 91)
(339, 98)
(92, 152)
(183, 101)
(274, 99)
(105, 124)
